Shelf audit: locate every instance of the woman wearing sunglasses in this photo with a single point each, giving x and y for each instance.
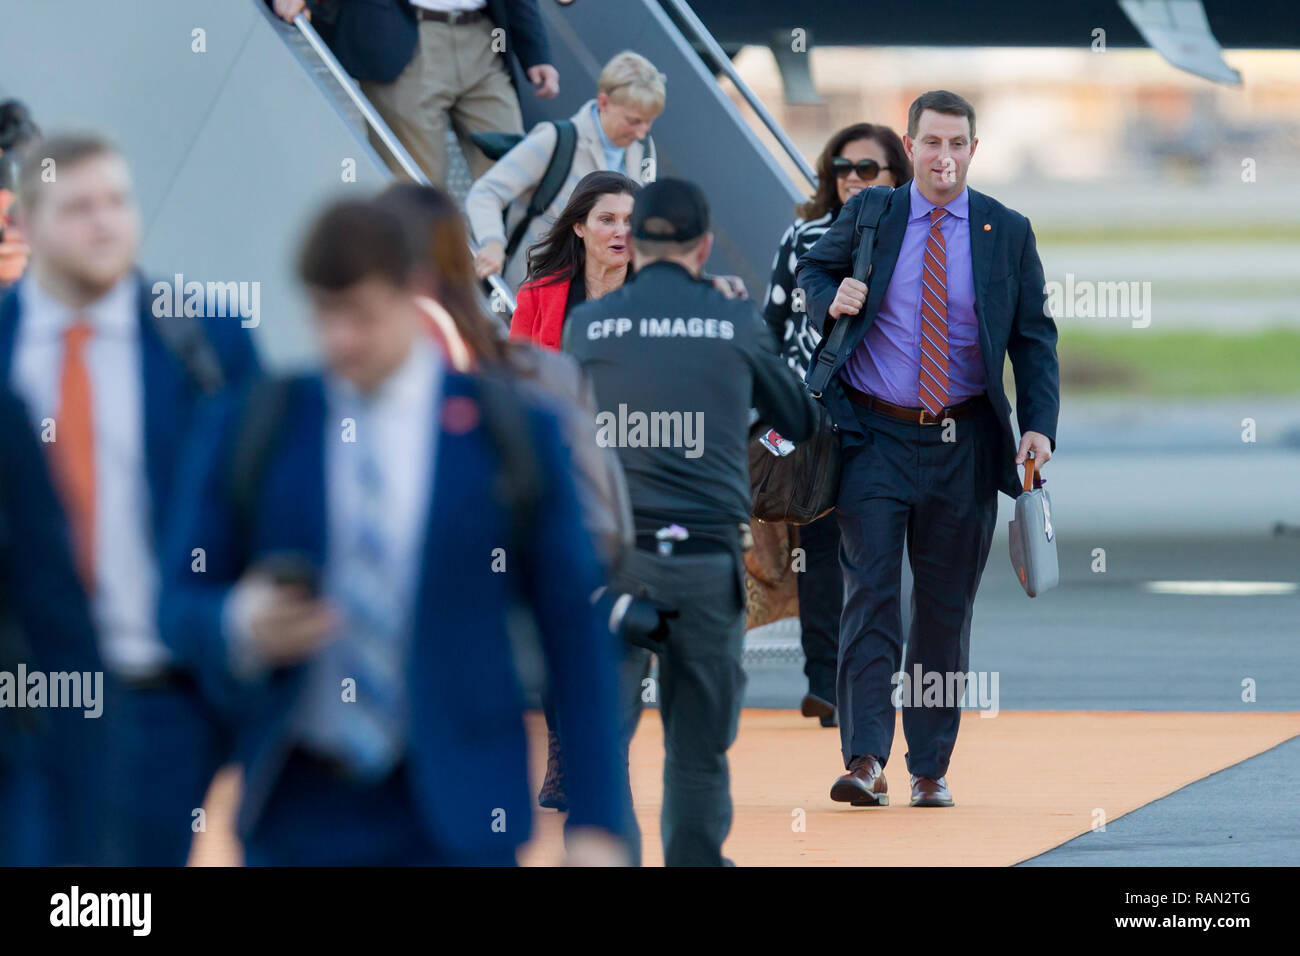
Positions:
(858, 156)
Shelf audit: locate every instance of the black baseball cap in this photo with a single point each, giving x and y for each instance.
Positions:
(670, 210)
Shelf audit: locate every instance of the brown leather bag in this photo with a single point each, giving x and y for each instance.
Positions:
(800, 486)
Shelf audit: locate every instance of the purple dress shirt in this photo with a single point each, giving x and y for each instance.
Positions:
(887, 363)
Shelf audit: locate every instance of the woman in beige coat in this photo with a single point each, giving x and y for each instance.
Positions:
(612, 133)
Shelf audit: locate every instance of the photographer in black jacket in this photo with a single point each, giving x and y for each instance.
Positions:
(676, 367)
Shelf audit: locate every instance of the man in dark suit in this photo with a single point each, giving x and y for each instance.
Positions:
(424, 62)
(956, 286)
(52, 766)
(113, 388)
(360, 591)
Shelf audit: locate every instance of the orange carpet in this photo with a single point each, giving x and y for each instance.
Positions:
(1024, 782)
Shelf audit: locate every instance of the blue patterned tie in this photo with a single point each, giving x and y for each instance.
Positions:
(368, 733)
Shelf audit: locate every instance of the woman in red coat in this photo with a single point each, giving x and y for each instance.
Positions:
(586, 254)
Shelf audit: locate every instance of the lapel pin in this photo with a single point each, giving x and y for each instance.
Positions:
(987, 227)
(460, 414)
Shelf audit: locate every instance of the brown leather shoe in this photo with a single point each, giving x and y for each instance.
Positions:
(929, 792)
(815, 706)
(863, 786)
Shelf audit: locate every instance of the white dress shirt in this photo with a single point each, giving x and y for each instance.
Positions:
(126, 570)
(394, 431)
(401, 413)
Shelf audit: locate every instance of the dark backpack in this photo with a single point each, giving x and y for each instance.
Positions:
(495, 145)
(184, 338)
(519, 481)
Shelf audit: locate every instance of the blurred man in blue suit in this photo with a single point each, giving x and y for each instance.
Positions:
(113, 388)
(51, 759)
(340, 556)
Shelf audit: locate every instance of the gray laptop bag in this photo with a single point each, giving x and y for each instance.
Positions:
(1032, 537)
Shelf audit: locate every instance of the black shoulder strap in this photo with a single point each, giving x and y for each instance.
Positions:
(260, 421)
(519, 480)
(184, 338)
(557, 171)
(869, 213)
(648, 153)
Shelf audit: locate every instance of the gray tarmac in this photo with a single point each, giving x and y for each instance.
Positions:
(1245, 815)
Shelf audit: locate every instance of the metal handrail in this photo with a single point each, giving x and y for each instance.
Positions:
(705, 38)
(385, 134)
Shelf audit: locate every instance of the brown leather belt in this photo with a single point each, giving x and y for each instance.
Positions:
(917, 416)
(455, 19)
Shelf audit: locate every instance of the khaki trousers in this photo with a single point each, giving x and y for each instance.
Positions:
(455, 75)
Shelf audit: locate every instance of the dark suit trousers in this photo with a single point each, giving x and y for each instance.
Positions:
(904, 483)
(316, 818)
(821, 599)
(165, 746)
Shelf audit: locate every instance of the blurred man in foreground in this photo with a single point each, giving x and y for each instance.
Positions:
(368, 531)
(113, 389)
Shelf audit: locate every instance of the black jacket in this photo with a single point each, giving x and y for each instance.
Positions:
(375, 39)
(670, 345)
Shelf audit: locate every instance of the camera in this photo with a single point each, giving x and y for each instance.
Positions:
(637, 619)
(17, 129)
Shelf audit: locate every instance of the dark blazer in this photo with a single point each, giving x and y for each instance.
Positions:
(467, 750)
(375, 39)
(171, 397)
(1010, 304)
(52, 769)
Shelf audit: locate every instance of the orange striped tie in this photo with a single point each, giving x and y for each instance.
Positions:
(72, 453)
(934, 319)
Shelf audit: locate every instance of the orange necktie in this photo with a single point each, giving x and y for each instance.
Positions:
(73, 450)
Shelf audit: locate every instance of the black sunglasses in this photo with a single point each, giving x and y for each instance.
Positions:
(866, 168)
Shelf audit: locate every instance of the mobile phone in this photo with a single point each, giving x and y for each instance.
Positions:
(292, 569)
